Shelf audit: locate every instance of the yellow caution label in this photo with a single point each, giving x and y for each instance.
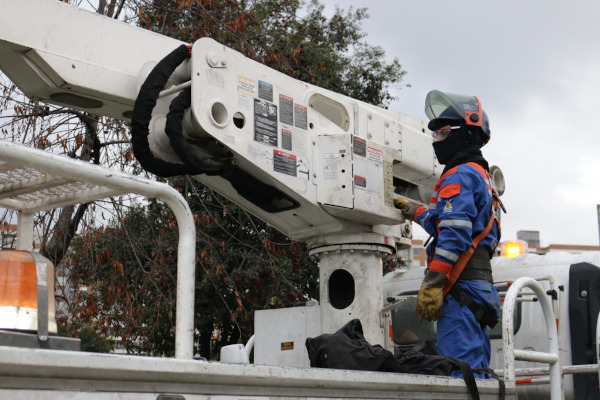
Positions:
(287, 346)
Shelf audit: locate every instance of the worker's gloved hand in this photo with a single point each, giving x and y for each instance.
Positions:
(431, 296)
(408, 208)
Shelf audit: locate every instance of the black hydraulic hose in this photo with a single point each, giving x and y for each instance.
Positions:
(195, 161)
(247, 186)
(189, 155)
(142, 113)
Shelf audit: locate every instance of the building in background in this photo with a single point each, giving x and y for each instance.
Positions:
(532, 238)
(527, 241)
(418, 255)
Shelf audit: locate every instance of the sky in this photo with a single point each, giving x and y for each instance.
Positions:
(535, 66)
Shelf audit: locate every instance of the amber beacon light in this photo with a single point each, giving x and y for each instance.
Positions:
(27, 293)
(513, 248)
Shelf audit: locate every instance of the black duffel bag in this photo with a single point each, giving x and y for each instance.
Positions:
(348, 349)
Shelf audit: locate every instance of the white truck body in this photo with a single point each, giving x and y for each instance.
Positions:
(575, 278)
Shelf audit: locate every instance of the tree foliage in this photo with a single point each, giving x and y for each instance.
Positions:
(126, 275)
(289, 36)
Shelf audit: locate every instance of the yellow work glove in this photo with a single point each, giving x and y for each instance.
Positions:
(431, 296)
(408, 209)
(429, 303)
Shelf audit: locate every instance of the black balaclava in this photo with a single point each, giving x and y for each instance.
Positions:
(461, 146)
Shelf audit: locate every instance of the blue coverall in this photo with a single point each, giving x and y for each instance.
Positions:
(459, 210)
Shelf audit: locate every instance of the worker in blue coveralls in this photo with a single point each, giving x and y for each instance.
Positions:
(464, 222)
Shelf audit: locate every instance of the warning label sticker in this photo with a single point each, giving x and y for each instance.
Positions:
(299, 142)
(284, 162)
(375, 155)
(286, 110)
(286, 139)
(244, 101)
(360, 181)
(265, 91)
(287, 346)
(247, 86)
(293, 140)
(300, 115)
(265, 122)
(360, 146)
(331, 162)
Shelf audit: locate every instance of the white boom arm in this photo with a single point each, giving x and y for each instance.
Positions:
(69, 56)
(337, 163)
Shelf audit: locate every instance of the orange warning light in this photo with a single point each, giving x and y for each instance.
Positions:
(513, 248)
(18, 279)
(20, 290)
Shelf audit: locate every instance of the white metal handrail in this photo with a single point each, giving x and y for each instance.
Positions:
(33, 180)
(510, 354)
(539, 375)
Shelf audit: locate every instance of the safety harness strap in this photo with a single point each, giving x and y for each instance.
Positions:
(464, 257)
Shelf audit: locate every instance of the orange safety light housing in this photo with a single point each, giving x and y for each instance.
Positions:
(26, 291)
(513, 248)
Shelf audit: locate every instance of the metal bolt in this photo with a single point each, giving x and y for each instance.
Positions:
(584, 293)
(213, 59)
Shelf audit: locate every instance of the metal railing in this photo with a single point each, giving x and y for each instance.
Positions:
(33, 180)
(511, 354)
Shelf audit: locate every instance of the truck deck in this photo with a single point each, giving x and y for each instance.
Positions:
(48, 374)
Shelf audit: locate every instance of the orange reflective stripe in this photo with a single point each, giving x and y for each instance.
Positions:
(479, 168)
(449, 172)
(440, 266)
(420, 209)
(450, 190)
